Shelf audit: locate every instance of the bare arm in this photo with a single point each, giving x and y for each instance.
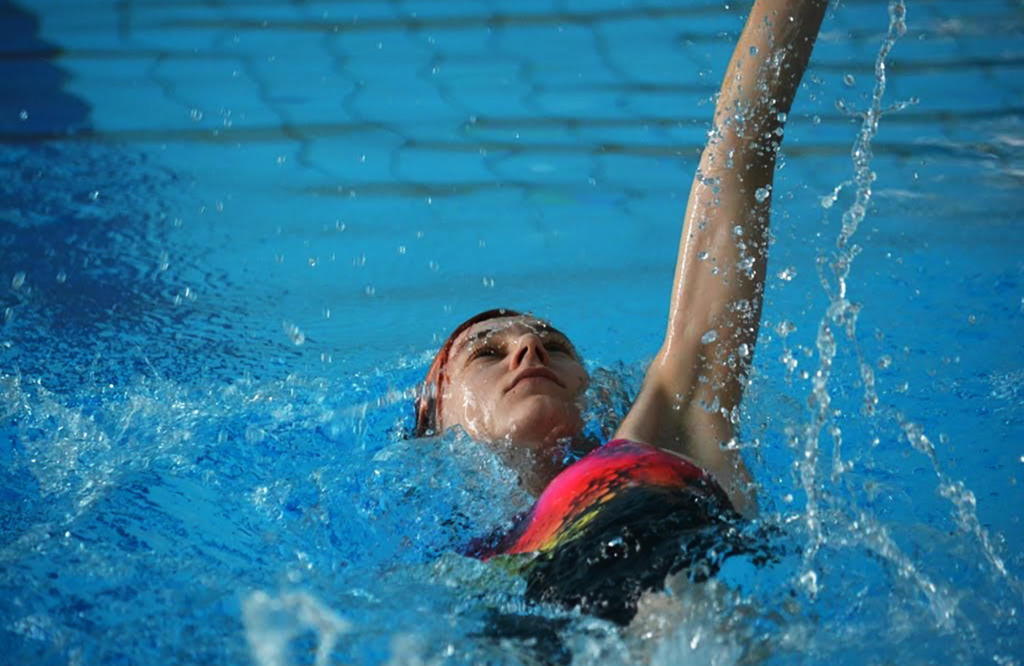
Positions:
(693, 387)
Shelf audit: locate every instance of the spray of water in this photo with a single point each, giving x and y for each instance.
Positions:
(841, 312)
(273, 623)
(840, 318)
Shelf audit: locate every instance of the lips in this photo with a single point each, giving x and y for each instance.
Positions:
(530, 373)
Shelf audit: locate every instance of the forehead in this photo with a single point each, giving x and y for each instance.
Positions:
(504, 325)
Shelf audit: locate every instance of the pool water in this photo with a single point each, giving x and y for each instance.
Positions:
(234, 233)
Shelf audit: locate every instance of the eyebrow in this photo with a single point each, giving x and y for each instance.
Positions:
(540, 327)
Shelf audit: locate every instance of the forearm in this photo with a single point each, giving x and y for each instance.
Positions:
(763, 75)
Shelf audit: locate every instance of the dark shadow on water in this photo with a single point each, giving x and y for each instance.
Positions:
(86, 295)
(33, 102)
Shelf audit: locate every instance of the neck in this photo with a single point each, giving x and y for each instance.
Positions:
(536, 464)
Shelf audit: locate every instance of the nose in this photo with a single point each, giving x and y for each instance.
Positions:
(529, 348)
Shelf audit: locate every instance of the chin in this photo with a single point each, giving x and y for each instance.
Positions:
(542, 421)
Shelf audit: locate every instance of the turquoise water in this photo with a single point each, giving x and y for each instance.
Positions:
(233, 235)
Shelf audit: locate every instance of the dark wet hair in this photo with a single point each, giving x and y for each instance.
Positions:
(428, 400)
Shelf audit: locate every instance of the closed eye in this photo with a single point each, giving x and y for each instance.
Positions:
(559, 346)
(484, 351)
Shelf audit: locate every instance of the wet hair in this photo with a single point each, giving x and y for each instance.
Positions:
(428, 400)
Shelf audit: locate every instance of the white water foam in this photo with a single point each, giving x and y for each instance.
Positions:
(272, 623)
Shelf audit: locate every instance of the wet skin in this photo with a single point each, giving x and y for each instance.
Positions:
(515, 381)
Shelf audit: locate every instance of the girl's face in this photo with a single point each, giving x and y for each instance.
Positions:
(514, 379)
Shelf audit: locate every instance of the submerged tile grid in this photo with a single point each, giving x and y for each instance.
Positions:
(497, 80)
(447, 114)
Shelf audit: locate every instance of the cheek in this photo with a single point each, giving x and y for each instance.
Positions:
(463, 400)
(580, 379)
(452, 403)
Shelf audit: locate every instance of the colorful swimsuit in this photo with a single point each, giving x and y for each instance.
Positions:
(613, 525)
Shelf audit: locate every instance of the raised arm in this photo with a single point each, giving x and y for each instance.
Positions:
(691, 394)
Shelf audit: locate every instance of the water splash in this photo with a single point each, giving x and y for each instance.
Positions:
(864, 530)
(964, 504)
(841, 311)
(273, 623)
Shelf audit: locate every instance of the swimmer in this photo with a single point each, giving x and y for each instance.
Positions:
(516, 382)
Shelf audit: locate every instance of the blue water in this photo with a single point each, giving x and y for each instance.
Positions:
(233, 234)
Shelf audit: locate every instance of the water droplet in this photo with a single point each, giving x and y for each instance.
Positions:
(401, 249)
(294, 333)
(762, 193)
(810, 581)
(370, 290)
(62, 277)
(753, 50)
(884, 362)
(709, 337)
(23, 115)
(744, 350)
(94, 195)
(702, 255)
(781, 116)
(971, 319)
(488, 281)
(787, 274)
(849, 81)
(196, 115)
(18, 280)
